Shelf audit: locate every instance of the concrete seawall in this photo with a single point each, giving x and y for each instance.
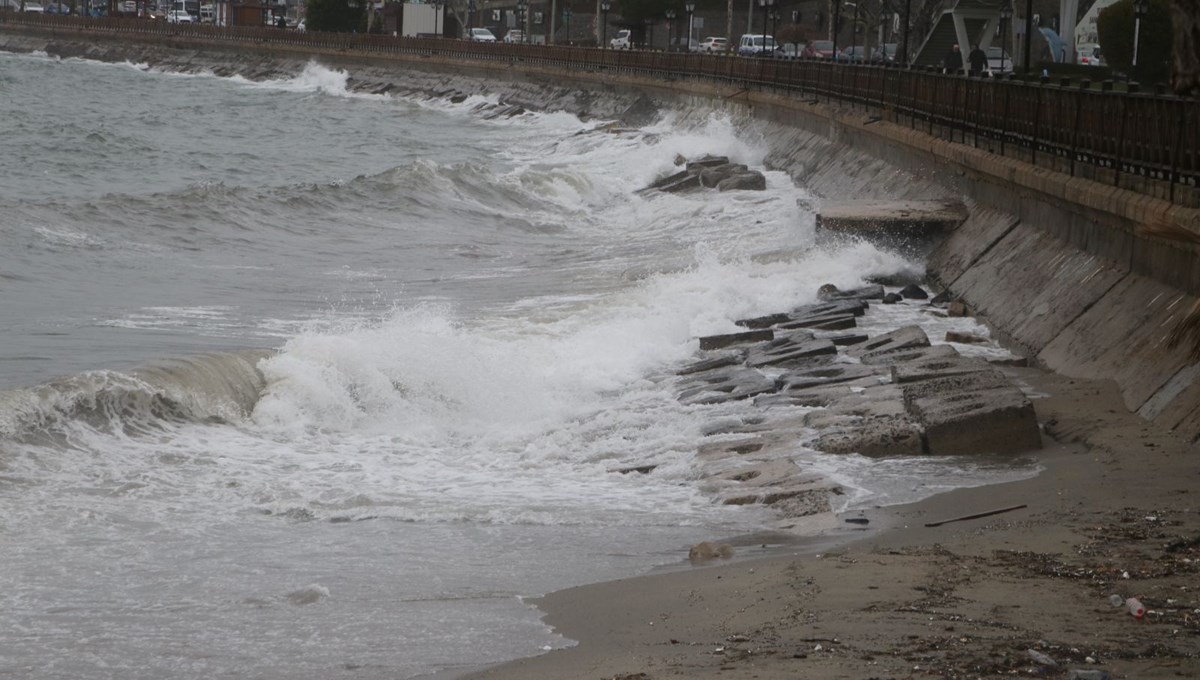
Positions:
(1085, 279)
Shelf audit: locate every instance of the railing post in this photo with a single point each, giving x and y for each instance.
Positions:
(1181, 104)
(1037, 116)
(1121, 138)
(1079, 96)
(1004, 116)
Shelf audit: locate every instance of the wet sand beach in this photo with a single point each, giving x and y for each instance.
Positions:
(1023, 593)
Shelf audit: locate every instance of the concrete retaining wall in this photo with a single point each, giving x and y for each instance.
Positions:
(1063, 268)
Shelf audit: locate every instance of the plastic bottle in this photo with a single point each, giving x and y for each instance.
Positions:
(1136, 608)
(1116, 601)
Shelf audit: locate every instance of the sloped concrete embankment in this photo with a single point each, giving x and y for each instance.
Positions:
(1075, 312)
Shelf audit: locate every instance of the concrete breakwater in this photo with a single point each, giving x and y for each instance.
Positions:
(1084, 279)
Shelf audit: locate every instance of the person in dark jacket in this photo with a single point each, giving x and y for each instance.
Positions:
(953, 62)
(978, 60)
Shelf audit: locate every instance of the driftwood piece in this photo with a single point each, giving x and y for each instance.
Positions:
(977, 515)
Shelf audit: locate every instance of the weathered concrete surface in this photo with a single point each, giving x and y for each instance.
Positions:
(907, 338)
(881, 436)
(799, 348)
(1030, 287)
(971, 408)
(730, 339)
(983, 229)
(1124, 336)
(892, 218)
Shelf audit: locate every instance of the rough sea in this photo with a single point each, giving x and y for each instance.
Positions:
(465, 326)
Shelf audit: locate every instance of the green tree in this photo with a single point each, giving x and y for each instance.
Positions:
(1115, 27)
(336, 16)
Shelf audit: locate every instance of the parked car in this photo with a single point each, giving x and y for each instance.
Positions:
(853, 53)
(714, 44)
(622, 41)
(756, 45)
(300, 26)
(999, 61)
(178, 16)
(818, 49)
(789, 51)
(58, 8)
(35, 7)
(884, 53)
(1089, 55)
(481, 35)
(514, 36)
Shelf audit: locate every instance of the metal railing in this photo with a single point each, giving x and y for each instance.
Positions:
(1145, 141)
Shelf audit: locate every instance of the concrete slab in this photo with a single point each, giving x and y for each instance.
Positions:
(913, 354)
(927, 368)
(1124, 336)
(832, 322)
(903, 218)
(787, 350)
(982, 229)
(720, 341)
(1032, 286)
(909, 337)
(704, 365)
(826, 375)
(716, 387)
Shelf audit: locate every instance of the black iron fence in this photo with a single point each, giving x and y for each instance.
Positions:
(1145, 141)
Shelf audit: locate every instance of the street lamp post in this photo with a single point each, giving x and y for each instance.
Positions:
(649, 34)
(670, 27)
(522, 9)
(567, 15)
(471, 6)
(690, 6)
(1028, 33)
(605, 5)
(1140, 9)
(766, 5)
(854, 31)
(837, 26)
(885, 18)
(1006, 15)
(907, 28)
(774, 24)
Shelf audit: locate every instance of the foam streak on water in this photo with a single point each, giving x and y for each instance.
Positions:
(463, 327)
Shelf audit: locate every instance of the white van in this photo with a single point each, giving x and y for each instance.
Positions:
(756, 45)
(621, 42)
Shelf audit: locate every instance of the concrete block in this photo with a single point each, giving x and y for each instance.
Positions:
(704, 365)
(826, 375)
(997, 420)
(1124, 336)
(790, 350)
(909, 337)
(912, 354)
(833, 322)
(720, 386)
(892, 218)
(884, 436)
(763, 321)
(719, 341)
(926, 368)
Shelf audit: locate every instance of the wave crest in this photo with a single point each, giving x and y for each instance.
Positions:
(222, 387)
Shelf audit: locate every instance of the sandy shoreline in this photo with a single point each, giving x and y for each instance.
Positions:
(1113, 512)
